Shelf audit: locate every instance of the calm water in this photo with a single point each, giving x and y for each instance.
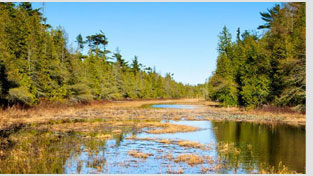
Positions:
(174, 106)
(268, 144)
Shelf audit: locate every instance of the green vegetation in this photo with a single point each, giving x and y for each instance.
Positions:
(36, 64)
(269, 69)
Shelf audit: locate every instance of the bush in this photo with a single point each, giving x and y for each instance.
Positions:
(21, 95)
(223, 91)
(84, 98)
(81, 93)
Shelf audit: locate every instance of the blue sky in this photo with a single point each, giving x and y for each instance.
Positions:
(180, 38)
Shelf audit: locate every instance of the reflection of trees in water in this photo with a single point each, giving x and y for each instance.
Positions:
(270, 144)
(38, 152)
(46, 152)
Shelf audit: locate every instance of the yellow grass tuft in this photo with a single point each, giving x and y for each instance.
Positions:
(164, 141)
(103, 136)
(117, 131)
(190, 159)
(191, 144)
(172, 128)
(136, 154)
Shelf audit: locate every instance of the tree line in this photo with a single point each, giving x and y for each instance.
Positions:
(268, 69)
(36, 64)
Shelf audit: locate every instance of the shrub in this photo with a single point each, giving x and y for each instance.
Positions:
(81, 93)
(21, 95)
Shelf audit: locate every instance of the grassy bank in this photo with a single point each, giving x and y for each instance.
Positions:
(132, 110)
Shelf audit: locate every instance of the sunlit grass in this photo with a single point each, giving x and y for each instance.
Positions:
(190, 159)
(137, 154)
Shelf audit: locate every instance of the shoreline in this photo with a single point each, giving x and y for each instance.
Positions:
(115, 109)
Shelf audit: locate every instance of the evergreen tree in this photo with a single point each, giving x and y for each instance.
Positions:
(255, 71)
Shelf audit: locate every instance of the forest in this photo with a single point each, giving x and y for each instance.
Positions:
(268, 69)
(37, 64)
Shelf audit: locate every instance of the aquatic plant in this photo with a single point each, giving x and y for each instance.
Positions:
(190, 159)
(137, 154)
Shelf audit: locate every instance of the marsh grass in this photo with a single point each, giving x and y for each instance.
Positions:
(36, 152)
(190, 159)
(192, 144)
(49, 150)
(40, 140)
(131, 110)
(181, 143)
(137, 154)
(170, 128)
(177, 170)
(281, 169)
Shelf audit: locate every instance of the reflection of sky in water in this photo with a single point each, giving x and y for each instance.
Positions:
(118, 161)
(174, 106)
(268, 145)
(205, 135)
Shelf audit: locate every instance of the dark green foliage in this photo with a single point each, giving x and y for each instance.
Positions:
(254, 71)
(80, 42)
(135, 66)
(222, 90)
(36, 64)
(222, 86)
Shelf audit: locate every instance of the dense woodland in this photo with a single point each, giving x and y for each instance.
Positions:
(37, 64)
(268, 69)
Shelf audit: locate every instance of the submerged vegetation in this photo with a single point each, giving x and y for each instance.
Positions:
(257, 70)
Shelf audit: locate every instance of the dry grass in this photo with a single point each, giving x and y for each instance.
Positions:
(204, 170)
(171, 128)
(134, 137)
(168, 156)
(175, 171)
(47, 112)
(103, 136)
(192, 144)
(104, 120)
(228, 148)
(114, 127)
(137, 154)
(124, 113)
(182, 143)
(190, 159)
(165, 141)
(281, 169)
(266, 114)
(117, 131)
(209, 159)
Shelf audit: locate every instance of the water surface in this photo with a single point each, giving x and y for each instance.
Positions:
(259, 145)
(174, 106)
(267, 144)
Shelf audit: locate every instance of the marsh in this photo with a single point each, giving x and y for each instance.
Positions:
(173, 136)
